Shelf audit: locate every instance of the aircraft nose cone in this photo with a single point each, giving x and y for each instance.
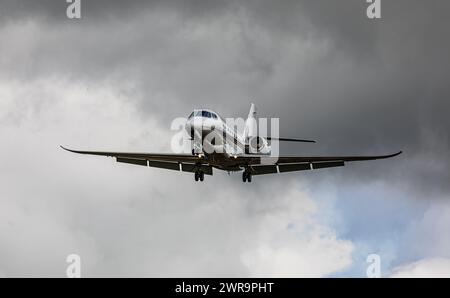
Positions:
(188, 126)
(194, 125)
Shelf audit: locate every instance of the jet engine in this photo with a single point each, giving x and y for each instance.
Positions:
(257, 145)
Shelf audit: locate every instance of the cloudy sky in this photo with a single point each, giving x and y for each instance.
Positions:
(116, 78)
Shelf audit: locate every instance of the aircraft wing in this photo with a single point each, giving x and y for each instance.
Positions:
(177, 162)
(260, 165)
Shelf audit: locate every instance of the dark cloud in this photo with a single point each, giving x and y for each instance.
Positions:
(358, 86)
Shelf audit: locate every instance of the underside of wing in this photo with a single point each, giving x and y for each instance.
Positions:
(177, 162)
(260, 165)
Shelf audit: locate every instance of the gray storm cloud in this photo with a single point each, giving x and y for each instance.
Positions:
(115, 78)
(354, 84)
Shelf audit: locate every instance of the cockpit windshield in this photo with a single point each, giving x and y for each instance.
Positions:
(204, 114)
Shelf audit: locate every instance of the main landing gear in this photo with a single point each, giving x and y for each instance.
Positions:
(199, 176)
(246, 176)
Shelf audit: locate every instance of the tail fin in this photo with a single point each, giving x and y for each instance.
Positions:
(251, 128)
(252, 112)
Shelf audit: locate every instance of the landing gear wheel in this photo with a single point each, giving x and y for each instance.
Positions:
(199, 176)
(246, 177)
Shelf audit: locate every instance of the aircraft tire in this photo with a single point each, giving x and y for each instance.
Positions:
(244, 176)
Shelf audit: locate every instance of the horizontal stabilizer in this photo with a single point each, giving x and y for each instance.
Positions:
(289, 140)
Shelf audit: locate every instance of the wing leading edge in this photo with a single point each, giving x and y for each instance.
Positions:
(177, 162)
(260, 165)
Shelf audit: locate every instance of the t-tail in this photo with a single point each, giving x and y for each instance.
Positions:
(255, 143)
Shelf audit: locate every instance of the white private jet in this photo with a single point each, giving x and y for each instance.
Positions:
(222, 148)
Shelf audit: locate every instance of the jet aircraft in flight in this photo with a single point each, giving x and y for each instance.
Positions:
(217, 146)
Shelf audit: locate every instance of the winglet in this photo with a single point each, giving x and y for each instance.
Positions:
(67, 149)
(390, 155)
(398, 153)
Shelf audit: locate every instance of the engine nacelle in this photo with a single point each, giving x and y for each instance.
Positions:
(257, 145)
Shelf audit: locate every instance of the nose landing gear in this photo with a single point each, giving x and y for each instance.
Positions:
(246, 176)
